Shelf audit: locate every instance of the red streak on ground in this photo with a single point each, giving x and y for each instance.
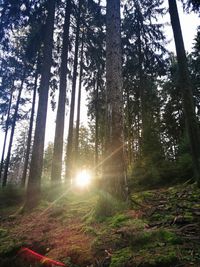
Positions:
(33, 257)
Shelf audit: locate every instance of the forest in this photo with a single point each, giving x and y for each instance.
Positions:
(122, 190)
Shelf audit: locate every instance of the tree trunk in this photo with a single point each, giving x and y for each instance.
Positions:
(186, 90)
(114, 147)
(96, 126)
(6, 133)
(60, 119)
(33, 188)
(69, 161)
(5, 175)
(76, 153)
(27, 155)
(141, 82)
(129, 137)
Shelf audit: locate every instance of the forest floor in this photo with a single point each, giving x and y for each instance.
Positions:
(162, 228)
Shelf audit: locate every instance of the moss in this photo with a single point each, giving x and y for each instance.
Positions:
(107, 206)
(166, 260)
(142, 196)
(121, 257)
(90, 230)
(118, 220)
(168, 237)
(3, 232)
(105, 240)
(9, 247)
(149, 239)
(165, 257)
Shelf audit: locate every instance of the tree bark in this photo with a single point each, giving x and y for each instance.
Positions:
(6, 133)
(129, 136)
(27, 155)
(114, 174)
(60, 119)
(69, 153)
(79, 105)
(33, 188)
(5, 175)
(96, 126)
(186, 90)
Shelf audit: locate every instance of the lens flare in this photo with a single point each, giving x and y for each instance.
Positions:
(83, 178)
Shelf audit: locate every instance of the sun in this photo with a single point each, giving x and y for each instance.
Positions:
(83, 178)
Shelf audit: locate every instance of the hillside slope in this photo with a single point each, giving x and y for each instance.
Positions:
(162, 228)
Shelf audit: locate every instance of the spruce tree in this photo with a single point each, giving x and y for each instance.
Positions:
(186, 90)
(60, 119)
(114, 172)
(34, 182)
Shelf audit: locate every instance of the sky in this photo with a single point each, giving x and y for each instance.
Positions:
(189, 23)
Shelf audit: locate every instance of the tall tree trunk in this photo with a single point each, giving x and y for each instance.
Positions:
(114, 147)
(96, 125)
(129, 129)
(69, 160)
(76, 153)
(28, 147)
(186, 90)
(5, 175)
(33, 188)
(141, 81)
(60, 119)
(6, 132)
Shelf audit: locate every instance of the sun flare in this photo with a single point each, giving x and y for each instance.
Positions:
(83, 178)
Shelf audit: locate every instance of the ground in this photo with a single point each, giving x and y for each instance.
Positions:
(160, 227)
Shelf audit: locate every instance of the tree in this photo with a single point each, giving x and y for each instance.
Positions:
(114, 173)
(69, 154)
(29, 139)
(94, 71)
(193, 5)
(18, 156)
(47, 162)
(33, 188)
(58, 141)
(6, 132)
(143, 65)
(186, 90)
(76, 152)
(5, 175)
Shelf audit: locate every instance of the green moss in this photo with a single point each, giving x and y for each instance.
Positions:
(118, 220)
(107, 206)
(165, 260)
(142, 196)
(168, 237)
(157, 257)
(90, 230)
(158, 238)
(121, 257)
(3, 232)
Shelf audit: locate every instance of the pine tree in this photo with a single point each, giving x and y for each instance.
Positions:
(29, 139)
(186, 90)
(7, 161)
(69, 153)
(144, 51)
(34, 182)
(58, 141)
(6, 132)
(76, 150)
(114, 175)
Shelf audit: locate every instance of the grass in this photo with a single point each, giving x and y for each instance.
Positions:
(162, 230)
